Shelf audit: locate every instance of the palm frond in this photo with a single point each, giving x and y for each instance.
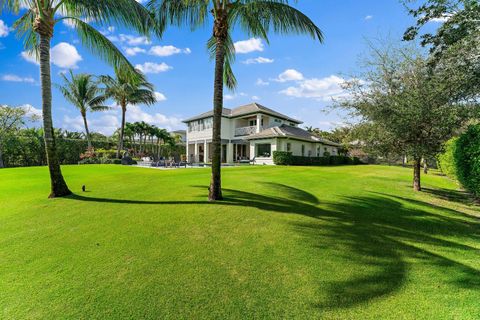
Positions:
(193, 13)
(258, 17)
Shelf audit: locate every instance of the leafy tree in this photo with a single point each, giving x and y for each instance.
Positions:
(409, 109)
(37, 26)
(83, 92)
(127, 89)
(255, 17)
(11, 120)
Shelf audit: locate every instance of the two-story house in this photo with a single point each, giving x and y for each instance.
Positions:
(253, 132)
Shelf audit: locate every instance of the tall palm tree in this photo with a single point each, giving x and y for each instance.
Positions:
(83, 92)
(256, 18)
(128, 89)
(37, 24)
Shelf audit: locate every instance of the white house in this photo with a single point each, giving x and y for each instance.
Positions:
(252, 132)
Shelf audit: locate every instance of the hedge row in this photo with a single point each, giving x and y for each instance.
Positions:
(467, 159)
(287, 159)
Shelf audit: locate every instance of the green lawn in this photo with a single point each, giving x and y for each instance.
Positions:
(304, 243)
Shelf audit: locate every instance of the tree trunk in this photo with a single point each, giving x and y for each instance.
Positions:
(87, 132)
(122, 131)
(59, 187)
(416, 174)
(215, 191)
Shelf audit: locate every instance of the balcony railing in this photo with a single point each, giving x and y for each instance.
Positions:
(245, 131)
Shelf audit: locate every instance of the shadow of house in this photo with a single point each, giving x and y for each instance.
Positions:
(379, 231)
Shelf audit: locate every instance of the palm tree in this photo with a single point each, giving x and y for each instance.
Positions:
(256, 18)
(128, 89)
(37, 25)
(83, 92)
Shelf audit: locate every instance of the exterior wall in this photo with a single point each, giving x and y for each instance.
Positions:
(263, 160)
(296, 148)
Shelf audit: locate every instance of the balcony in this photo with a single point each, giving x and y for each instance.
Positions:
(245, 131)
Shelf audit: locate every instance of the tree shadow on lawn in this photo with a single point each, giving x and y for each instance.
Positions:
(375, 238)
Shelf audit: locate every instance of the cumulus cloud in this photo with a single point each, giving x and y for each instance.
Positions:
(369, 17)
(4, 29)
(32, 112)
(250, 45)
(133, 51)
(289, 75)
(324, 89)
(16, 78)
(152, 67)
(160, 96)
(165, 51)
(63, 55)
(258, 60)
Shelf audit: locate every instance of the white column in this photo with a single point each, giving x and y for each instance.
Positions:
(205, 152)
(230, 153)
(259, 123)
(195, 152)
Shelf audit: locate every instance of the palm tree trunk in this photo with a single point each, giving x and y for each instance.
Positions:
(215, 191)
(59, 187)
(122, 131)
(416, 174)
(87, 132)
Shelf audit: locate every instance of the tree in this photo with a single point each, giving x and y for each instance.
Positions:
(37, 26)
(461, 23)
(409, 109)
(127, 89)
(83, 92)
(255, 17)
(11, 120)
(454, 46)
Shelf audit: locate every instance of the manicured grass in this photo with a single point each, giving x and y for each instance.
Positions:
(330, 242)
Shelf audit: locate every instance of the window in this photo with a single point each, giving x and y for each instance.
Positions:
(278, 120)
(264, 150)
(252, 123)
(309, 153)
(289, 147)
(318, 152)
(303, 150)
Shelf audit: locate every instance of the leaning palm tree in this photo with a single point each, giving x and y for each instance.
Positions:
(37, 24)
(84, 93)
(128, 89)
(256, 18)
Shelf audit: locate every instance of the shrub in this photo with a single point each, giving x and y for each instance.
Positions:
(282, 158)
(467, 159)
(446, 160)
(90, 161)
(286, 158)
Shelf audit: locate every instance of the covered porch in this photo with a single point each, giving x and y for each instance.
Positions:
(232, 151)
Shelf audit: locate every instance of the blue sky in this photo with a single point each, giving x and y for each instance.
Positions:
(293, 74)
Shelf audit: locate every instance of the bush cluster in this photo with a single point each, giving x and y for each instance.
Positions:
(287, 159)
(446, 160)
(467, 159)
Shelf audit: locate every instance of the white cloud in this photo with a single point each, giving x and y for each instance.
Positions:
(261, 82)
(63, 55)
(135, 113)
(165, 51)
(152, 67)
(324, 89)
(132, 51)
(289, 75)
(160, 96)
(258, 60)
(32, 112)
(369, 17)
(133, 40)
(15, 78)
(251, 45)
(442, 19)
(4, 29)
(255, 98)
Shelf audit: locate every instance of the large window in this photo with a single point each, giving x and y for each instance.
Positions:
(289, 147)
(303, 150)
(264, 150)
(200, 125)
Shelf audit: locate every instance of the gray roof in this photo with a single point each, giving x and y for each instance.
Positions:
(285, 131)
(245, 110)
